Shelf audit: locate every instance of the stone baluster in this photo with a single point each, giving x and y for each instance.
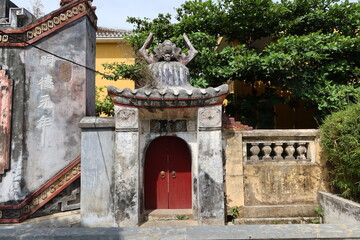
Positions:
(301, 150)
(278, 151)
(267, 151)
(290, 150)
(255, 150)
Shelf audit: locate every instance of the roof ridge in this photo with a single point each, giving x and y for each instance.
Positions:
(104, 32)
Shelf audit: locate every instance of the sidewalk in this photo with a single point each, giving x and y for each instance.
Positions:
(303, 231)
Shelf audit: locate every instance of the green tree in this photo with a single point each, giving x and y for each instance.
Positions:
(313, 53)
(340, 138)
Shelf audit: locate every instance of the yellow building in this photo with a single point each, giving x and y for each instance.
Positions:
(112, 47)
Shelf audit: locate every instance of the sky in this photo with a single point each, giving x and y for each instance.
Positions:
(113, 13)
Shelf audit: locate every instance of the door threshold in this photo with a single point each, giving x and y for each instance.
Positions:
(169, 214)
(169, 217)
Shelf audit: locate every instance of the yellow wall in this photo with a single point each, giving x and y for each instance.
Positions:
(109, 51)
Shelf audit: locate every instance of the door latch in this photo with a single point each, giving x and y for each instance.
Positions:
(173, 174)
(162, 174)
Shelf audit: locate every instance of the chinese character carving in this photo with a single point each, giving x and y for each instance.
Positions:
(46, 83)
(43, 123)
(45, 102)
(47, 61)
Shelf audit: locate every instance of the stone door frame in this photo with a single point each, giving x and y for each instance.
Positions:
(133, 133)
(190, 139)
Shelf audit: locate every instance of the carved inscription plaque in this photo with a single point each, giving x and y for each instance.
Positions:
(168, 126)
(210, 117)
(126, 117)
(65, 71)
(5, 120)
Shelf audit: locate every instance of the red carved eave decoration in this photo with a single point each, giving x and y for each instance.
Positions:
(5, 120)
(48, 24)
(19, 212)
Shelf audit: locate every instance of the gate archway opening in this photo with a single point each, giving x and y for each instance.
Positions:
(168, 174)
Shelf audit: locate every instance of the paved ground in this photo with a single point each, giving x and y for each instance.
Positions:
(316, 231)
(67, 226)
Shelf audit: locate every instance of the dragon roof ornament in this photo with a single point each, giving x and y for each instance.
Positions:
(171, 86)
(167, 51)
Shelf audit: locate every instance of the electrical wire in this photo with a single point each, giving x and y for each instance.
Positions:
(55, 55)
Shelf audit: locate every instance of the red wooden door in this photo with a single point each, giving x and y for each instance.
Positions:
(168, 174)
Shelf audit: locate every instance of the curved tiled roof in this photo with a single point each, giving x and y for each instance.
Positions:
(111, 33)
(170, 97)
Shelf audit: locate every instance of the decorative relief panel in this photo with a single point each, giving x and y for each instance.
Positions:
(168, 126)
(5, 120)
(126, 118)
(210, 117)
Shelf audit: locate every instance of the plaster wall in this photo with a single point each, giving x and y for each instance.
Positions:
(97, 141)
(50, 98)
(53, 135)
(234, 170)
(338, 210)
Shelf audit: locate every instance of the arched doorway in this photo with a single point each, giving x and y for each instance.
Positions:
(168, 174)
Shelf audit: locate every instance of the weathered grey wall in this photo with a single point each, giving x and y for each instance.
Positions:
(126, 167)
(97, 158)
(49, 100)
(59, 107)
(90, 75)
(211, 178)
(211, 191)
(338, 210)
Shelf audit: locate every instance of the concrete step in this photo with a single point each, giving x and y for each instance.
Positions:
(169, 214)
(265, 221)
(169, 223)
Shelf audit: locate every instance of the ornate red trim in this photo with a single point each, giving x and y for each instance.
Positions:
(48, 24)
(6, 87)
(43, 195)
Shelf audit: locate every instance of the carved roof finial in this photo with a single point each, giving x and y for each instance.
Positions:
(64, 2)
(167, 51)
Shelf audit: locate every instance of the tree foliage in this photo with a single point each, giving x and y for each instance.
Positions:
(340, 137)
(36, 8)
(313, 53)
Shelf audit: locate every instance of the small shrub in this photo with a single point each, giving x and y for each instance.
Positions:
(319, 211)
(104, 105)
(340, 137)
(182, 217)
(235, 211)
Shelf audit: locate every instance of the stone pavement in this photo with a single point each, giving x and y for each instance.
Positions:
(309, 231)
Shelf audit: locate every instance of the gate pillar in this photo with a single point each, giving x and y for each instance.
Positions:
(211, 174)
(126, 167)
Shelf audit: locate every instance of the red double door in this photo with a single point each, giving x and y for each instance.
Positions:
(168, 174)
